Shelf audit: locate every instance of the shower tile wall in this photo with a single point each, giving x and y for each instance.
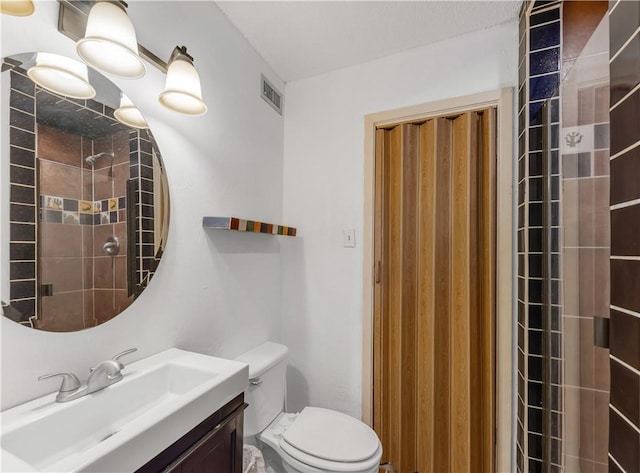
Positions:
(624, 411)
(109, 191)
(141, 157)
(539, 79)
(61, 257)
(79, 206)
(79, 211)
(567, 40)
(585, 228)
(22, 207)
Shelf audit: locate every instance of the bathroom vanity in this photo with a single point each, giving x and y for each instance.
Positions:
(213, 445)
(174, 411)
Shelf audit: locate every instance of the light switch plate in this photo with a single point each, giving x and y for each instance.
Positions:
(349, 237)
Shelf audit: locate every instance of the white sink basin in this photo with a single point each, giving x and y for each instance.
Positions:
(125, 425)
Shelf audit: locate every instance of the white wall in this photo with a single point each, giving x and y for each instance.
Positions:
(323, 194)
(215, 292)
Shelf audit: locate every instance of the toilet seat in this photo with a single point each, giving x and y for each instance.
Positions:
(331, 435)
(325, 440)
(326, 465)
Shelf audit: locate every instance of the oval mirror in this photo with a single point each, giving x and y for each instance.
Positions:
(88, 203)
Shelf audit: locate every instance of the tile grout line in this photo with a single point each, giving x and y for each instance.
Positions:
(614, 6)
(633, 91)
(15, 127)
(622, 205)
(30, 168)
(627, 366)
(546, 23)
(583, 388)
(22, 185)
(626, 43)
(585, 247)
(544, 74)
(582, 317)
(20, 299)
(600, 176)
(12, 108)
(547, 48)
(609, 454)
(622, 416)
(624, 151)
(624, 311)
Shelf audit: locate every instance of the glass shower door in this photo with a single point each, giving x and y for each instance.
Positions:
(585, 254)
(563, 238)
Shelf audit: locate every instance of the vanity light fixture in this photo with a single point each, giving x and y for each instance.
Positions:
(182, 92)
(85, 22)
(16, 7)
(62, 75)
(128, 114)
(109, 43)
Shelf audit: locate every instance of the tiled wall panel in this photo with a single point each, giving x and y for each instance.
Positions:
(585, 230)
(563, 238)
(141, 154)
(62, 210)
(628, 164)
(624, 416)
(22, 195)
(539, 75)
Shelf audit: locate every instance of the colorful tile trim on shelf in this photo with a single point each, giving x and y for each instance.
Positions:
(242, 225)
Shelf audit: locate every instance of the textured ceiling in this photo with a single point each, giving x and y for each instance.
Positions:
(305, 38)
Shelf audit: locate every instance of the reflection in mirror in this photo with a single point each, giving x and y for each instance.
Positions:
(89, 205)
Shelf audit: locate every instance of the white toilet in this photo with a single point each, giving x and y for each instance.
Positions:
(315, 440)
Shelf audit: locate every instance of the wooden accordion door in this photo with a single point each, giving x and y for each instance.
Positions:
(434, 296)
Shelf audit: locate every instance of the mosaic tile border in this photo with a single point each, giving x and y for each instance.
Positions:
(243, 225)
(54, 209)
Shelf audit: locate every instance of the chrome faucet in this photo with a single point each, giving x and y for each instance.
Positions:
(104, 374)
(69, 389)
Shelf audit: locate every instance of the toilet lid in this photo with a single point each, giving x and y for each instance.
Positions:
(331, 435)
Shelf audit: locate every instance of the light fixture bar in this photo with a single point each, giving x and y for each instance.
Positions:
(9, 63)
(72, 22)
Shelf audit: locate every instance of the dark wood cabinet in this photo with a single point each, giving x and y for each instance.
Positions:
(216, 452)
(213, 446)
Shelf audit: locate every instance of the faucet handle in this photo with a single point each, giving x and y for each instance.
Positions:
(70, 381)
(120, 355)
(115, 359)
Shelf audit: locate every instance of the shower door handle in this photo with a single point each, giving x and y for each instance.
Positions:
(45, 290)
(600, 331)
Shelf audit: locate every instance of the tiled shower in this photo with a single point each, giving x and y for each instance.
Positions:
(76, 217)
(65, 209)
(563, 238)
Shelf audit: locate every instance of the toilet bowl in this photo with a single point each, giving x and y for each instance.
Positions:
(316, 440)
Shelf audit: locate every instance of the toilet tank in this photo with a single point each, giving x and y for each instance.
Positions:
(265, 394)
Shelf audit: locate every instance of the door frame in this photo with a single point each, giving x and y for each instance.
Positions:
(505, 258)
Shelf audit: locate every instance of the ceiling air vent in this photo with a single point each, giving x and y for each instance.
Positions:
(271, 95)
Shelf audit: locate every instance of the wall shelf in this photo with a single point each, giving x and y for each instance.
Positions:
(243, 225)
